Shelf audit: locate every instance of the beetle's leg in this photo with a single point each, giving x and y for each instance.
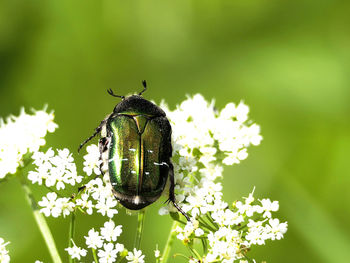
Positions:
(97, 131)
(103, 148)
(102, 145)
(172, 193)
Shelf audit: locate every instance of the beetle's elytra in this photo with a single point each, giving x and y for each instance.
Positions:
(135, 149)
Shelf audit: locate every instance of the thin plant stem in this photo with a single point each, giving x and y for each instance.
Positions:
(94, 255)
(181, 255)
(71, 233)
(139, 230)
(169, 242)
(195, 252)
(212, 221)
(205, 224)
(41, 222)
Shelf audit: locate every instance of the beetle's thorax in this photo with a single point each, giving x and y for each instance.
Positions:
(136, 105)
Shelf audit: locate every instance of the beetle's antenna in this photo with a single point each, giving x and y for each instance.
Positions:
(144, 84)
(110, 92)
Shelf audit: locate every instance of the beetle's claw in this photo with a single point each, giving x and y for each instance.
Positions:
(79, 148)
(81, 188)
(178, 209)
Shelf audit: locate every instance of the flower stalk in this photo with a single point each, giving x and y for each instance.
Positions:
(41, 222)
(139, 230)
(71, 233)
(94, 255)
(169, 242)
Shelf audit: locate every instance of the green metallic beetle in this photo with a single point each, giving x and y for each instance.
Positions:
(135, 149)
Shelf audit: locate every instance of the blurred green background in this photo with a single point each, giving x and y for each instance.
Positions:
(288, 60)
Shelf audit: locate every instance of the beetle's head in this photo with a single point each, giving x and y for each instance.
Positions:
(136, 104)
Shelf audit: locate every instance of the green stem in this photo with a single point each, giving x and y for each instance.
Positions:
(169, 242)
(71, 233)
(212, 221)
(94, 255)
(203, 223)
(139, 230)
(195, 253)
(41, 222)
(181, 255)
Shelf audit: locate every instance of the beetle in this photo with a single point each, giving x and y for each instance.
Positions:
(135, 149)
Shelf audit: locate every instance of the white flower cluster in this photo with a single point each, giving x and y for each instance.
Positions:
(104, 242)
(199, 126)
(55, 170)
(21, 135)
(60, 170)
(203, 139)
(4, 256)
(230, 232)
(55, 207)
(98, 192)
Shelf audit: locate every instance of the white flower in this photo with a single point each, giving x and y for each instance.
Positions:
(246, 207)
(156, 253)
(227, 217)
(110, 232)
(119, 247)
(195, 203)
(135, 257)
(20, 135)
(108, 255)
(257, 234)
(242, 111)
(94, 240)
(267, 207)
(199, 232)
(98, 189)
(4, 257)
(66, 206)
(276, 229)
(51, 205)
(211, 171)
(40, 158)
(190, 228)
(76, 252)
(84, 203)
(40, 174)
(92, 160)
(105, 206)
(38, 261)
